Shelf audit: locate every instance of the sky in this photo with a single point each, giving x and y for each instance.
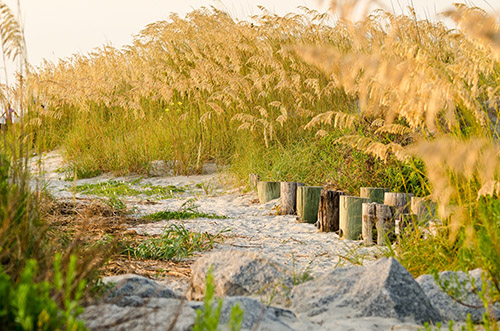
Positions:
(59, 28)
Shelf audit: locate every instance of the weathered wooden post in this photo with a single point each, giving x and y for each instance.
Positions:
(350, 215)
(288, 195)
(369, 220)
(400, 201)
(424, 209)
(268, 191)
(328, 211)
(308, 203)
(253, 179)
(402, 223)
(384, 224)
(434, 226)
(375, 194)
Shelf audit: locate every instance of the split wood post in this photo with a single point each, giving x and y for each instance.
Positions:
(288, 195)
(253, 179)
(384, 224)
(375, 194)
(328, 211)
(424, 209)
(350, 214)
(268, 191)
(369, 220)
(308, 203)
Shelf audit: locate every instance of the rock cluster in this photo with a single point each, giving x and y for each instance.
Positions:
(378, 296)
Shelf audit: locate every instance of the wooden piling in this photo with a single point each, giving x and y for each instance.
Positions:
(384, 224)
(308, 203)
(288, 195)
(424, 209)
(328, 211)
(369, 220)
(375, 194)
(268, 191)
(403, 223)
(253, 179)
(350, 214)
(399, 201)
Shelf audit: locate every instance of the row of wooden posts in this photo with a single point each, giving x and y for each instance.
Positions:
(377, 215)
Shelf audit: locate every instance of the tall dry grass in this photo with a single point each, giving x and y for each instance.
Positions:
(186, 89)
(41, 280)
(430, 93)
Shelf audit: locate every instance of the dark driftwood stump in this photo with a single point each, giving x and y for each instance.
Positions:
(328, 212)
(288, 195)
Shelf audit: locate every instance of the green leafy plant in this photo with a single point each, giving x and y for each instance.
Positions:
(30, 305)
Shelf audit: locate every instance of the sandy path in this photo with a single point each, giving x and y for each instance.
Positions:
(252, 227)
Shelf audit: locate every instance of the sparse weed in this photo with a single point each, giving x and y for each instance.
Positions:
(114, 188)
(181, 215)
(175, 243)
(300, 276)
(207, 318)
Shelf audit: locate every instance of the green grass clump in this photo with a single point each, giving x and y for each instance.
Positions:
(207, 318)
(181, 215)
(115, 188)
(175, 243)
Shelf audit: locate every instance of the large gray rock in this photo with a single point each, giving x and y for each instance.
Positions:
(450, 308)
(381, 289)
(238, 273)
(255, 314)
(155, 314)
(132, 290)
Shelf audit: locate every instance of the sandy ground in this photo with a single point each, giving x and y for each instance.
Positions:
(249, 226)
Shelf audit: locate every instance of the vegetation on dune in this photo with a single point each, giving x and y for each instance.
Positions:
(388, 101)
(290, 97)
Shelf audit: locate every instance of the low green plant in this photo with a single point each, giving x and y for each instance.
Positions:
(207, 319)
(116, 203)
(181, 215)
(301, 276)
(188, 210)
(114, 188)
(175, 243)
(30, 305)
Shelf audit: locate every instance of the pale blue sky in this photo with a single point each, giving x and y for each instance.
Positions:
(59, 28)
